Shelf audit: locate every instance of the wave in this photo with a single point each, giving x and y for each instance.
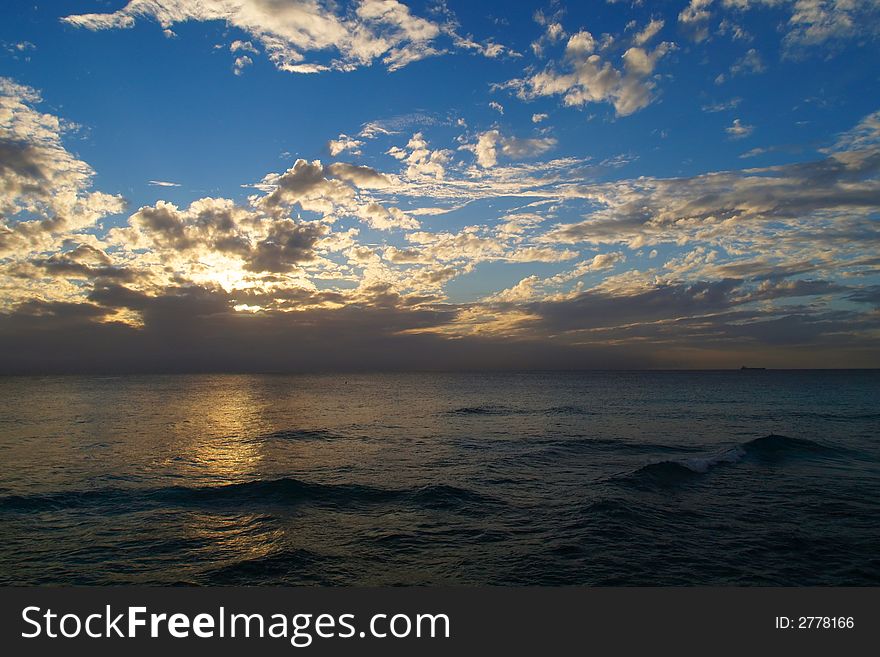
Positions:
(298, 434)
(491, 409)
(567, 410)
(442, 496)
(264, 492)
(65, 499)
(771, 447)
(589, 443)
(836, 415)
(286, 490)
(774, 444)
(283, 491)
(482, 410)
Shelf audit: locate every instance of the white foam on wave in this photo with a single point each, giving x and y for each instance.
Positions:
(702, 464)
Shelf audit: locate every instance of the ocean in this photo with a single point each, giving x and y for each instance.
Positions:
(533, 478)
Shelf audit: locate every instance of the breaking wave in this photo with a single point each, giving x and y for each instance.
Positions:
(772, 447)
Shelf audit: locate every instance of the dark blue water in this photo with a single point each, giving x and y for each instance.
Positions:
(605, 478)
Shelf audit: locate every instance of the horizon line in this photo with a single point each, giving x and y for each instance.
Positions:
(368, 371)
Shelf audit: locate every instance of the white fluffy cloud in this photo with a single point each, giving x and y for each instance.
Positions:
(306, 36)
(586, 76)
(383, 218)
(491, 142)
(421, 160)
(344, 143)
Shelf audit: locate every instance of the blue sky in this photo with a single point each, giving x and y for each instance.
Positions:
(701, 177)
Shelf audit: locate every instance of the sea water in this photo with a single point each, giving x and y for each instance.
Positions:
(547, 478)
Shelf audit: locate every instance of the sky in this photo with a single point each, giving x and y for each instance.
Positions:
(286, 185)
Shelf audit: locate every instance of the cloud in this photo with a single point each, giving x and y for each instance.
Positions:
(334, 264)
(421, 161)
(748, 63)
(243, 46)
(316, 187)
(212, 224)
(552, 33)
(584, 76)
(187, 329)
(864, 135)
(723, 106)
(599, 262)
(241, 63)
(649, 32)
(810, 23)
(404, 256)
(694, 19)
(600, 309)
(812, 203)
(537, 118)
(18, 50)
(383, 218)
(162, 183)
(828, 22)
(525, 290)
(738, 129)
(83, 262)
(486, 148)
(287, 245)
(373, 129)
(44, 188)
(344, 143)
(305, 184)
(360, 176)
(489, 49)
(307, 36)
(490, 142)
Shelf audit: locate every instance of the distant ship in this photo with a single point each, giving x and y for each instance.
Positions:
(752, 368)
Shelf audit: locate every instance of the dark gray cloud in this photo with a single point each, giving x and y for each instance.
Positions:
(286, 245)
(357, 338)
(84, 262)
(194, 328)
(596, 309)
(717, 205)
(870, 294)
(21, 169)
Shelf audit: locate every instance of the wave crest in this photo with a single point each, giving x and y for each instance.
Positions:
(286, 491)
(673, 471)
